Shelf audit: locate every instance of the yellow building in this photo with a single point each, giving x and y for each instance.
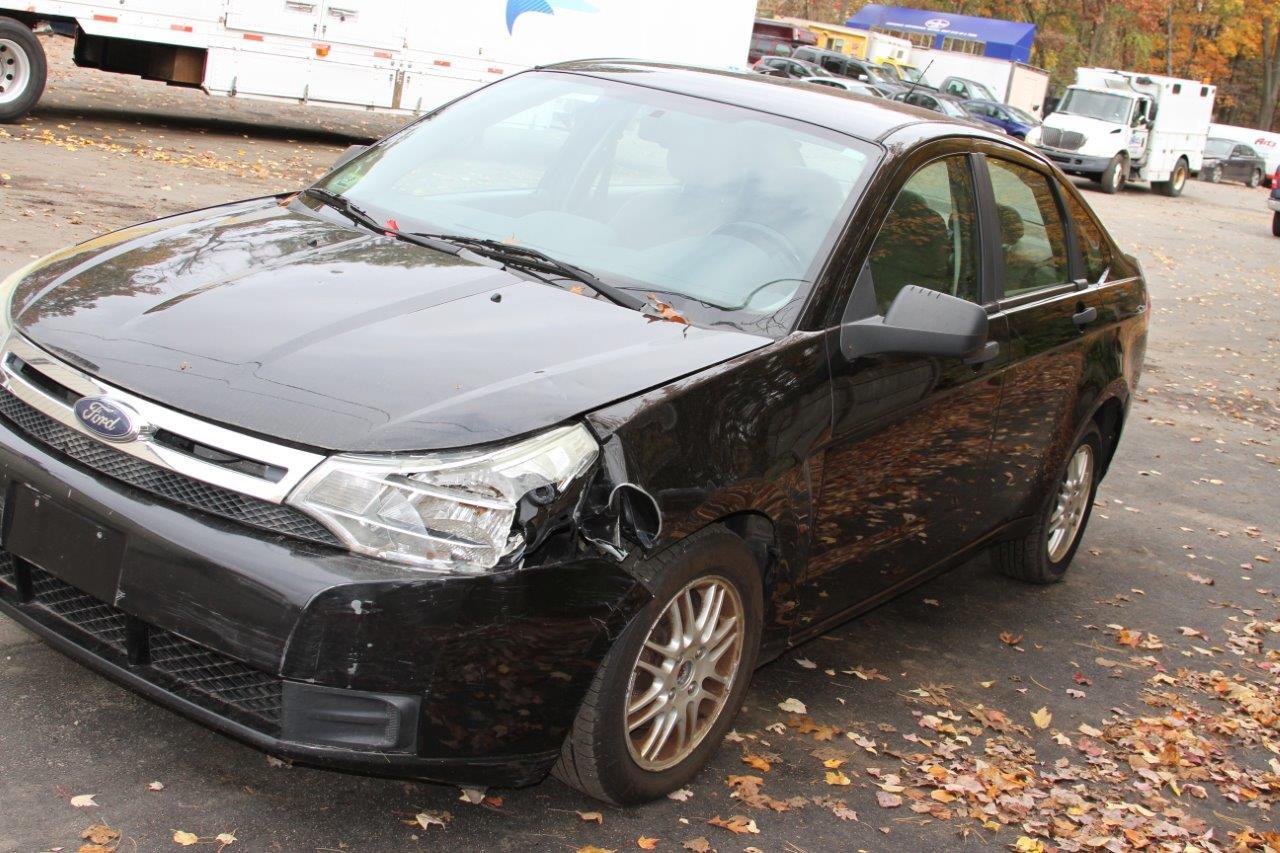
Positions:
(835, 37)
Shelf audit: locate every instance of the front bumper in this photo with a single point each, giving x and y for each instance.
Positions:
(1074, 163)
(303, 650)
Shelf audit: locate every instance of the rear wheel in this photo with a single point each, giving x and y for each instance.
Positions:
(668, 690)
(22, 69)
(1275, 224)
(1043, 555)
(1112, 180)
(1255, 178)
(1177, 181)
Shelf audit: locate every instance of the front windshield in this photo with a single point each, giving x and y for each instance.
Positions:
(1219, 147)
(1021, 115)
(909, 74)
(981, 91)
(1100, 105)
(725, 209)
(891, 71)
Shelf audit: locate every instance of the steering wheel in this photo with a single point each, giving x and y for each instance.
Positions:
(770, 240)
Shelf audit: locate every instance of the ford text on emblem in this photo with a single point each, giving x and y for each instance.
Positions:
(108, 420)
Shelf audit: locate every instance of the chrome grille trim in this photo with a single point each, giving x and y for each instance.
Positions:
(295, 463)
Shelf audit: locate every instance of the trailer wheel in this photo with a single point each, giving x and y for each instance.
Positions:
(1173, 187)
(23, 69)
(1112, 180)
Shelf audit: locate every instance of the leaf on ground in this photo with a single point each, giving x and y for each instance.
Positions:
(805, 663)
(225, 838)
(680, 795)
(756, 763)
(833, 763)
(644, 842)
(592, 817)
(84, 801)
(591, 848)
(835, 777)
(1009, 638)
(793, 706)
(737, 824)
(887, 800)
(100, 833)
(155, 786)
(426, 820)
(698, 845)
(185, 839)
(475, 796)
(1042, 718)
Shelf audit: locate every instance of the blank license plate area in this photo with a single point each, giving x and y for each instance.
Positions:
(64, 543)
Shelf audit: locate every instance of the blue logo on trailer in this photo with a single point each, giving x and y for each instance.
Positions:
(516, 8)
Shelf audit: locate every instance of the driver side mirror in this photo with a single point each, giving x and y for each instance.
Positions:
(919, 322)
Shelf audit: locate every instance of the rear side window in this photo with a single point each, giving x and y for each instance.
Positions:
(1032, 236)
(1093, 243)
(929, 238)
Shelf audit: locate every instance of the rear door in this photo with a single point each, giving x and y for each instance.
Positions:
(1057, 313)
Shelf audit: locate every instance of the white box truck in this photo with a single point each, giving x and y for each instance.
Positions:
(1014, 83)
(1267, 144)
(1119, 126)
(387, 55)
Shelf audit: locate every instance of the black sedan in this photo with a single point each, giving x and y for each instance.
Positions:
(1225, 160)
(516, 443)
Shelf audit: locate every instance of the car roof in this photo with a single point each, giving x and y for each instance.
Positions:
(860, 116)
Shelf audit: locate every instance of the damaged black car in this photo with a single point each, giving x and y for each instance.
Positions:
(516, 443)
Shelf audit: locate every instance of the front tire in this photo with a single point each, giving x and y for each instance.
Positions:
(1177, 181)
(1215, 175)
(667, 692)
(1045, 553)
(1255, 179)
(23, 69)
(1275, 224)
(1112, 179)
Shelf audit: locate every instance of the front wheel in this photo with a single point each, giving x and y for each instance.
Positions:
(1177, 181)
(1275, 224)
(1112, 179)
(23, 69)
(667, 692)
(1255, 178)
(1043, 555)
(1215, 175)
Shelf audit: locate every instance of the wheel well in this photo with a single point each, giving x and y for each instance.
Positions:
(1110, 421)
(757, 531)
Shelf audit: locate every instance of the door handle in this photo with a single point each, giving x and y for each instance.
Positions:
(343, 14)
(1085, 317)
(299, 6)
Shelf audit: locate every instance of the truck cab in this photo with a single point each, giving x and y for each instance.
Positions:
(1117, 126)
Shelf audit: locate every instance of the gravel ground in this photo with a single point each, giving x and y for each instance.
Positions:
(1191, 498)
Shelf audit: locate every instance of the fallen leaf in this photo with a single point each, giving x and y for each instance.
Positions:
(185, 839)
(833, 763)
(155, 786)
(756, 762)
(698, 845)
(591, 848)
(835, 777)
(887, 800)
(737, 824)
(100, 834)
(84, 801)
(475, 796)
(644, 842)
(793, 706)
(225, 838)
(1042, 718)
(1009, 638)
(592, 817)
(665, 311)
(680, 795)
(805, 663)
(426, 820)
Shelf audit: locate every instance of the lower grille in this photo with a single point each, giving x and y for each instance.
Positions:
(169, 485)
(210, 679)
(7, 574)
(1065, 140)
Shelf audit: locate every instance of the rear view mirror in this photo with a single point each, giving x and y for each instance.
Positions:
(919, 322)
(347, 156)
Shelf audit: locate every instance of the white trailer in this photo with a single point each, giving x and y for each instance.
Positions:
(1267, 144)
(386, 55)
(1118, 126)
(1014, 83)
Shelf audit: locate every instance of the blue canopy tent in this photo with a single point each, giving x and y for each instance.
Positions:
(1001, 39)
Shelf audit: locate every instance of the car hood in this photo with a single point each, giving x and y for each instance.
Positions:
(276, 320)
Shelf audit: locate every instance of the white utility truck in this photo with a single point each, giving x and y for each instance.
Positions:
(1119, 126)
(1267, 144)
(390, 55)
(1014, 83)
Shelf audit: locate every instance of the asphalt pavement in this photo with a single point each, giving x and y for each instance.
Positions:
(1185, 538)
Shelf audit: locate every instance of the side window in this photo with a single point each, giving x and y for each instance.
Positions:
(930, 236)
(1093, 244)
(1031, 229)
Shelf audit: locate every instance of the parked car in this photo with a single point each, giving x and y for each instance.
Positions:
(847, 85)
(938, 103)
(842, 65)
(1011, 120)
(1232, 161)
(784, 66)
(967, 90)
(495, 451)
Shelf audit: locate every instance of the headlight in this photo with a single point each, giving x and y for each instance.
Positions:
(453, 510)
(1033, 135)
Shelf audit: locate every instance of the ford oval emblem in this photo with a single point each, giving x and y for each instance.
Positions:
(107, 419)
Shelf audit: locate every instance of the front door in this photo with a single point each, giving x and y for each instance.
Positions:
(905, 473)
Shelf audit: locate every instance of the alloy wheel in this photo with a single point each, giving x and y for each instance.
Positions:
(684, 673)
(1179, 177)
(15, 70)
(1072, 503)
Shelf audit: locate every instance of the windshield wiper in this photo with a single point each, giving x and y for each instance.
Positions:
(532, 259)
(361, 217)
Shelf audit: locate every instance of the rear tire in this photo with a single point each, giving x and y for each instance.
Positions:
(1275, 224)
(606, 754)
(23, 69)
(1112, 180)
(1255, 179)
(1177, 181)
(1045, 553)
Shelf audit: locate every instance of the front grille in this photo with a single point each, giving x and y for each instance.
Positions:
(199, 674)
(1064, 140)
(169, 485)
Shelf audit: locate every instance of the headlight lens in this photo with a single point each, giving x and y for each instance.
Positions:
(1033, 135)
(453, 510)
